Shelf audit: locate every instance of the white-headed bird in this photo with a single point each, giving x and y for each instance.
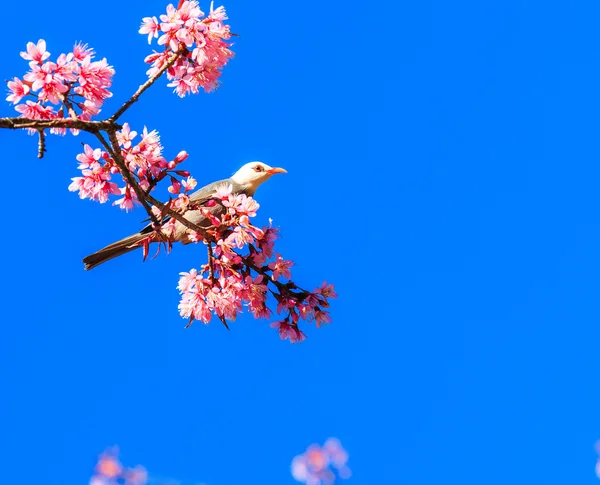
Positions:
(245, 181)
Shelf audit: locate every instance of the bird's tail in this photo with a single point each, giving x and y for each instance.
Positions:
(113, 250)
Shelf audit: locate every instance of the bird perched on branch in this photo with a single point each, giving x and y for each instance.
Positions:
(245, 181)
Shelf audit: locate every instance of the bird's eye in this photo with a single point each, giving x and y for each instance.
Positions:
(258, 168)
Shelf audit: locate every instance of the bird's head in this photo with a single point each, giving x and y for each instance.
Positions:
(253, 174)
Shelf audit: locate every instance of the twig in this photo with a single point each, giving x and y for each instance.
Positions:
(211, 268)
(41, 143)
(143, 87)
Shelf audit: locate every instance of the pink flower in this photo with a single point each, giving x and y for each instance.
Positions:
(181, 203)
(36, 53)
(187, 281)
(18, 90)
(150, 26)
(327, 290)
(125, 136)
(81, 51)
(35, 111)
(322, 317)
(45, 78)
(223, 192)
(181, 156)
(189, 184)
(94, 184)
(281, 268)
(217, 14)
(246, 205)
(321, 465)
(94, 79)
(287, 331)
(239, 237)
(185, 29)
(129, 199)
(88, 157)
(175, 186)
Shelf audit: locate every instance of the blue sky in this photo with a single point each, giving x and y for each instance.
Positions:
(443, 174)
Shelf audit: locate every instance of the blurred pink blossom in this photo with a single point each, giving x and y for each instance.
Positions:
(110, 471)
(321, 464)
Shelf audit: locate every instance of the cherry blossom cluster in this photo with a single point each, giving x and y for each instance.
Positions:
(72, 87)
(232, 278)
(243, 269)
(200, 40)
(321, 464)
(143, 159)
(110, 471)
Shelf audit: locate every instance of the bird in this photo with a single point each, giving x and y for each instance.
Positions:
(245, 181)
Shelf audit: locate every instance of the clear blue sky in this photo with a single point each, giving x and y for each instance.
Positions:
(443, 167)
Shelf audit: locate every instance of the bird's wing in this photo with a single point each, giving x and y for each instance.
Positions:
(205, 193)
(199, 197)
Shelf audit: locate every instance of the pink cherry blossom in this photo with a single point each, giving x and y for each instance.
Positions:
(89, 156)
(18, 90)
(150, 26)
(281, 267)
(36, 52)
(110, 471)
(125, 136)
(81, 51)
(223, 191)
(128, 201)
(94, 80)
(94, 184)
(35, 111)
(321, 465)
(327, 290)
(200, 40)
(288, 331)
(73, 83)
(189, 184)
(243, 272)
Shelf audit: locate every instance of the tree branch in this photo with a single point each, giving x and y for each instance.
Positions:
(144, 86)
(89, 126)
(127, 174)
(41, 143)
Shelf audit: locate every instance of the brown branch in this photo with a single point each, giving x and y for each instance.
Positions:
(115, 152)
(110, 126)
(89, 126)
(143, 87)
(65, 100)
(211, 257)
(41, 143)
(127, 174)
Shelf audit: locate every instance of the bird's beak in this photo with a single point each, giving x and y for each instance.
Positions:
(276, 170)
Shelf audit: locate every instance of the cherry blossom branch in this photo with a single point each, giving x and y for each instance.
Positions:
(115, 152)
(211, 262)
(65, 99)
(144, 197)
(145, 86)
(65, 94)
(89, 126)
(126, 173)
